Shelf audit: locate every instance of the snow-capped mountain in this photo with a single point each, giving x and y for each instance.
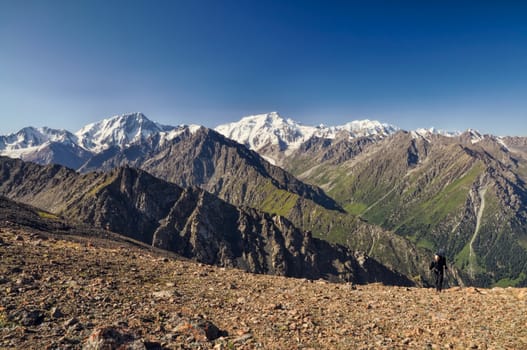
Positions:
(263, 130)
(32, 139)
(422, 132)
(121, 131)
(269, 134)
(46, 145)
(470, 135)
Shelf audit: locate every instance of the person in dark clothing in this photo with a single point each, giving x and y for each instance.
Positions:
(438, 265)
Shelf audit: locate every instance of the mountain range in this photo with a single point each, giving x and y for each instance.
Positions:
(395, 195)
(271, 135)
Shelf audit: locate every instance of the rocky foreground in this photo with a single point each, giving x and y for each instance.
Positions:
(72, 293)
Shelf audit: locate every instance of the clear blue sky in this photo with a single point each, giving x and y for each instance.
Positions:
(449, 64)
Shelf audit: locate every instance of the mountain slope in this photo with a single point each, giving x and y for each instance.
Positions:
(190, 222)
(16, 214)
(86, 287)
(202, 157)
(465, 194)
(229, 170)
(516, 145)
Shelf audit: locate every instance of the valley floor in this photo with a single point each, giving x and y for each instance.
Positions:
(66, 294)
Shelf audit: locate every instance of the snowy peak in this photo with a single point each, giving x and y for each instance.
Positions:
(369, 127)
(425, 133)
(121, 131)
(33, 137)
(470, 135)
(359, 128)
(473, 135)
(29, 140)
(259, 131)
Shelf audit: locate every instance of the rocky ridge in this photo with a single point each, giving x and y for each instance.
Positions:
(190, 222)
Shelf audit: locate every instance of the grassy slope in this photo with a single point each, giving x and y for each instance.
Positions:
(428, 206)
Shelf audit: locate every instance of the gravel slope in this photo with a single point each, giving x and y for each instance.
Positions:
(77, 292)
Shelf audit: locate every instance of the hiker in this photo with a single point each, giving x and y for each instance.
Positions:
(438, 265)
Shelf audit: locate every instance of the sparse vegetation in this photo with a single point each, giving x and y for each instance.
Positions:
(278, 201)
(507, 282)
(99, 186)
(46, 215)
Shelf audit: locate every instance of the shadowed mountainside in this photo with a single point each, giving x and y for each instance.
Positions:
(190, 222)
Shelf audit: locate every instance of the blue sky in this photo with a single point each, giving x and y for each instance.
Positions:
(449, 64)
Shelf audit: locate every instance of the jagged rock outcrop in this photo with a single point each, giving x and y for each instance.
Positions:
(199, 225)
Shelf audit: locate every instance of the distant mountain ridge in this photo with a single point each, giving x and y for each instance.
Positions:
(270, 134)
(125, 130)
(46, 145)
(276, 138)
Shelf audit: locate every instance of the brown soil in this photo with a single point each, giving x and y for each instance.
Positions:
(61, 294)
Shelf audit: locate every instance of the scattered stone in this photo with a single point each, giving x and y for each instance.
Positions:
(112, 338)
(199, 329)
(243, 339)
(16, 269)
(276, 306)
(55, 312)
(62, 294)
(28, 318)
(70, 322)
(77, 327)
(164, 294)
(150, 345)
(24, 280)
